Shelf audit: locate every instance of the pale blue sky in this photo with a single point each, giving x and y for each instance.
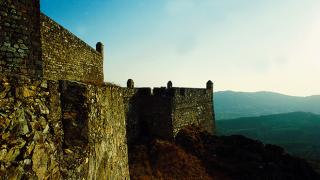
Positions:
(242, 45)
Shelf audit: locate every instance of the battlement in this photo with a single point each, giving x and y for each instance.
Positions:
(170, 91)
(165, 110)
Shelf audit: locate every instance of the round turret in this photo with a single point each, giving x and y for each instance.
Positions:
(100, 48)
(169, 84)
(130, 84)
(209, 85)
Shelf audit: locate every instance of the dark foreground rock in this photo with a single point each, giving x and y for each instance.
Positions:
(199, 155)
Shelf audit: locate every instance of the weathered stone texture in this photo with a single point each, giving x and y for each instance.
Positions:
(46, 49)
(75, 128)
(30, 128)
(61, 130)
(107, 127)
(20, 45)
(193, 106)
(67, 57)
(97, 116)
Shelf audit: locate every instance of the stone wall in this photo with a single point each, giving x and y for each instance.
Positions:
(67, 57)
(55, 128)
(34, 45)
(20, 46)
(30, 128)
(61, 130)
(147, 114)
(193, 107)
(75, 127)
(131, 114)
(107, 130)
(95, 131)
(162, 112)
(156, 114)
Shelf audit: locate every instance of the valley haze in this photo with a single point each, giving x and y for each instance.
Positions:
(232, 104)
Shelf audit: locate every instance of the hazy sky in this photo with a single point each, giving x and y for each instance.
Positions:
(241, 45)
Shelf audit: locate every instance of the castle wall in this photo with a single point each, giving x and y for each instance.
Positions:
(31, 130)
(67, 57)
(147, 114)
(107, 133)
(75, 127)
(95, 131)
(162, 112)
(20, 45)
(193, 106)
(155, 113)
(131, 108)
(61, 130)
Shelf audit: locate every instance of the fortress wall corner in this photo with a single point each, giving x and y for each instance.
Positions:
(20, 45)
(193, 106)
(162, 112)
(147, 115)
(107, 133)
(94, 125)
(155, 116)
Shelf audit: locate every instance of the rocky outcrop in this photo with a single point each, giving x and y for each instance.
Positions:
(163, 160)
(198, 155)
(242, 158)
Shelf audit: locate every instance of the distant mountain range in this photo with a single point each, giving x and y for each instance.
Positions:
(297, 132)
(230, 104)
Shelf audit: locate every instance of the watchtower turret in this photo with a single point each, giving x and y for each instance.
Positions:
(130, 84)
(169, 85)
(210, 85)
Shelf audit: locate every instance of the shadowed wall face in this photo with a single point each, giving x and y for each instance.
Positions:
(20, 45)
(67, 57)
(162, 112)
